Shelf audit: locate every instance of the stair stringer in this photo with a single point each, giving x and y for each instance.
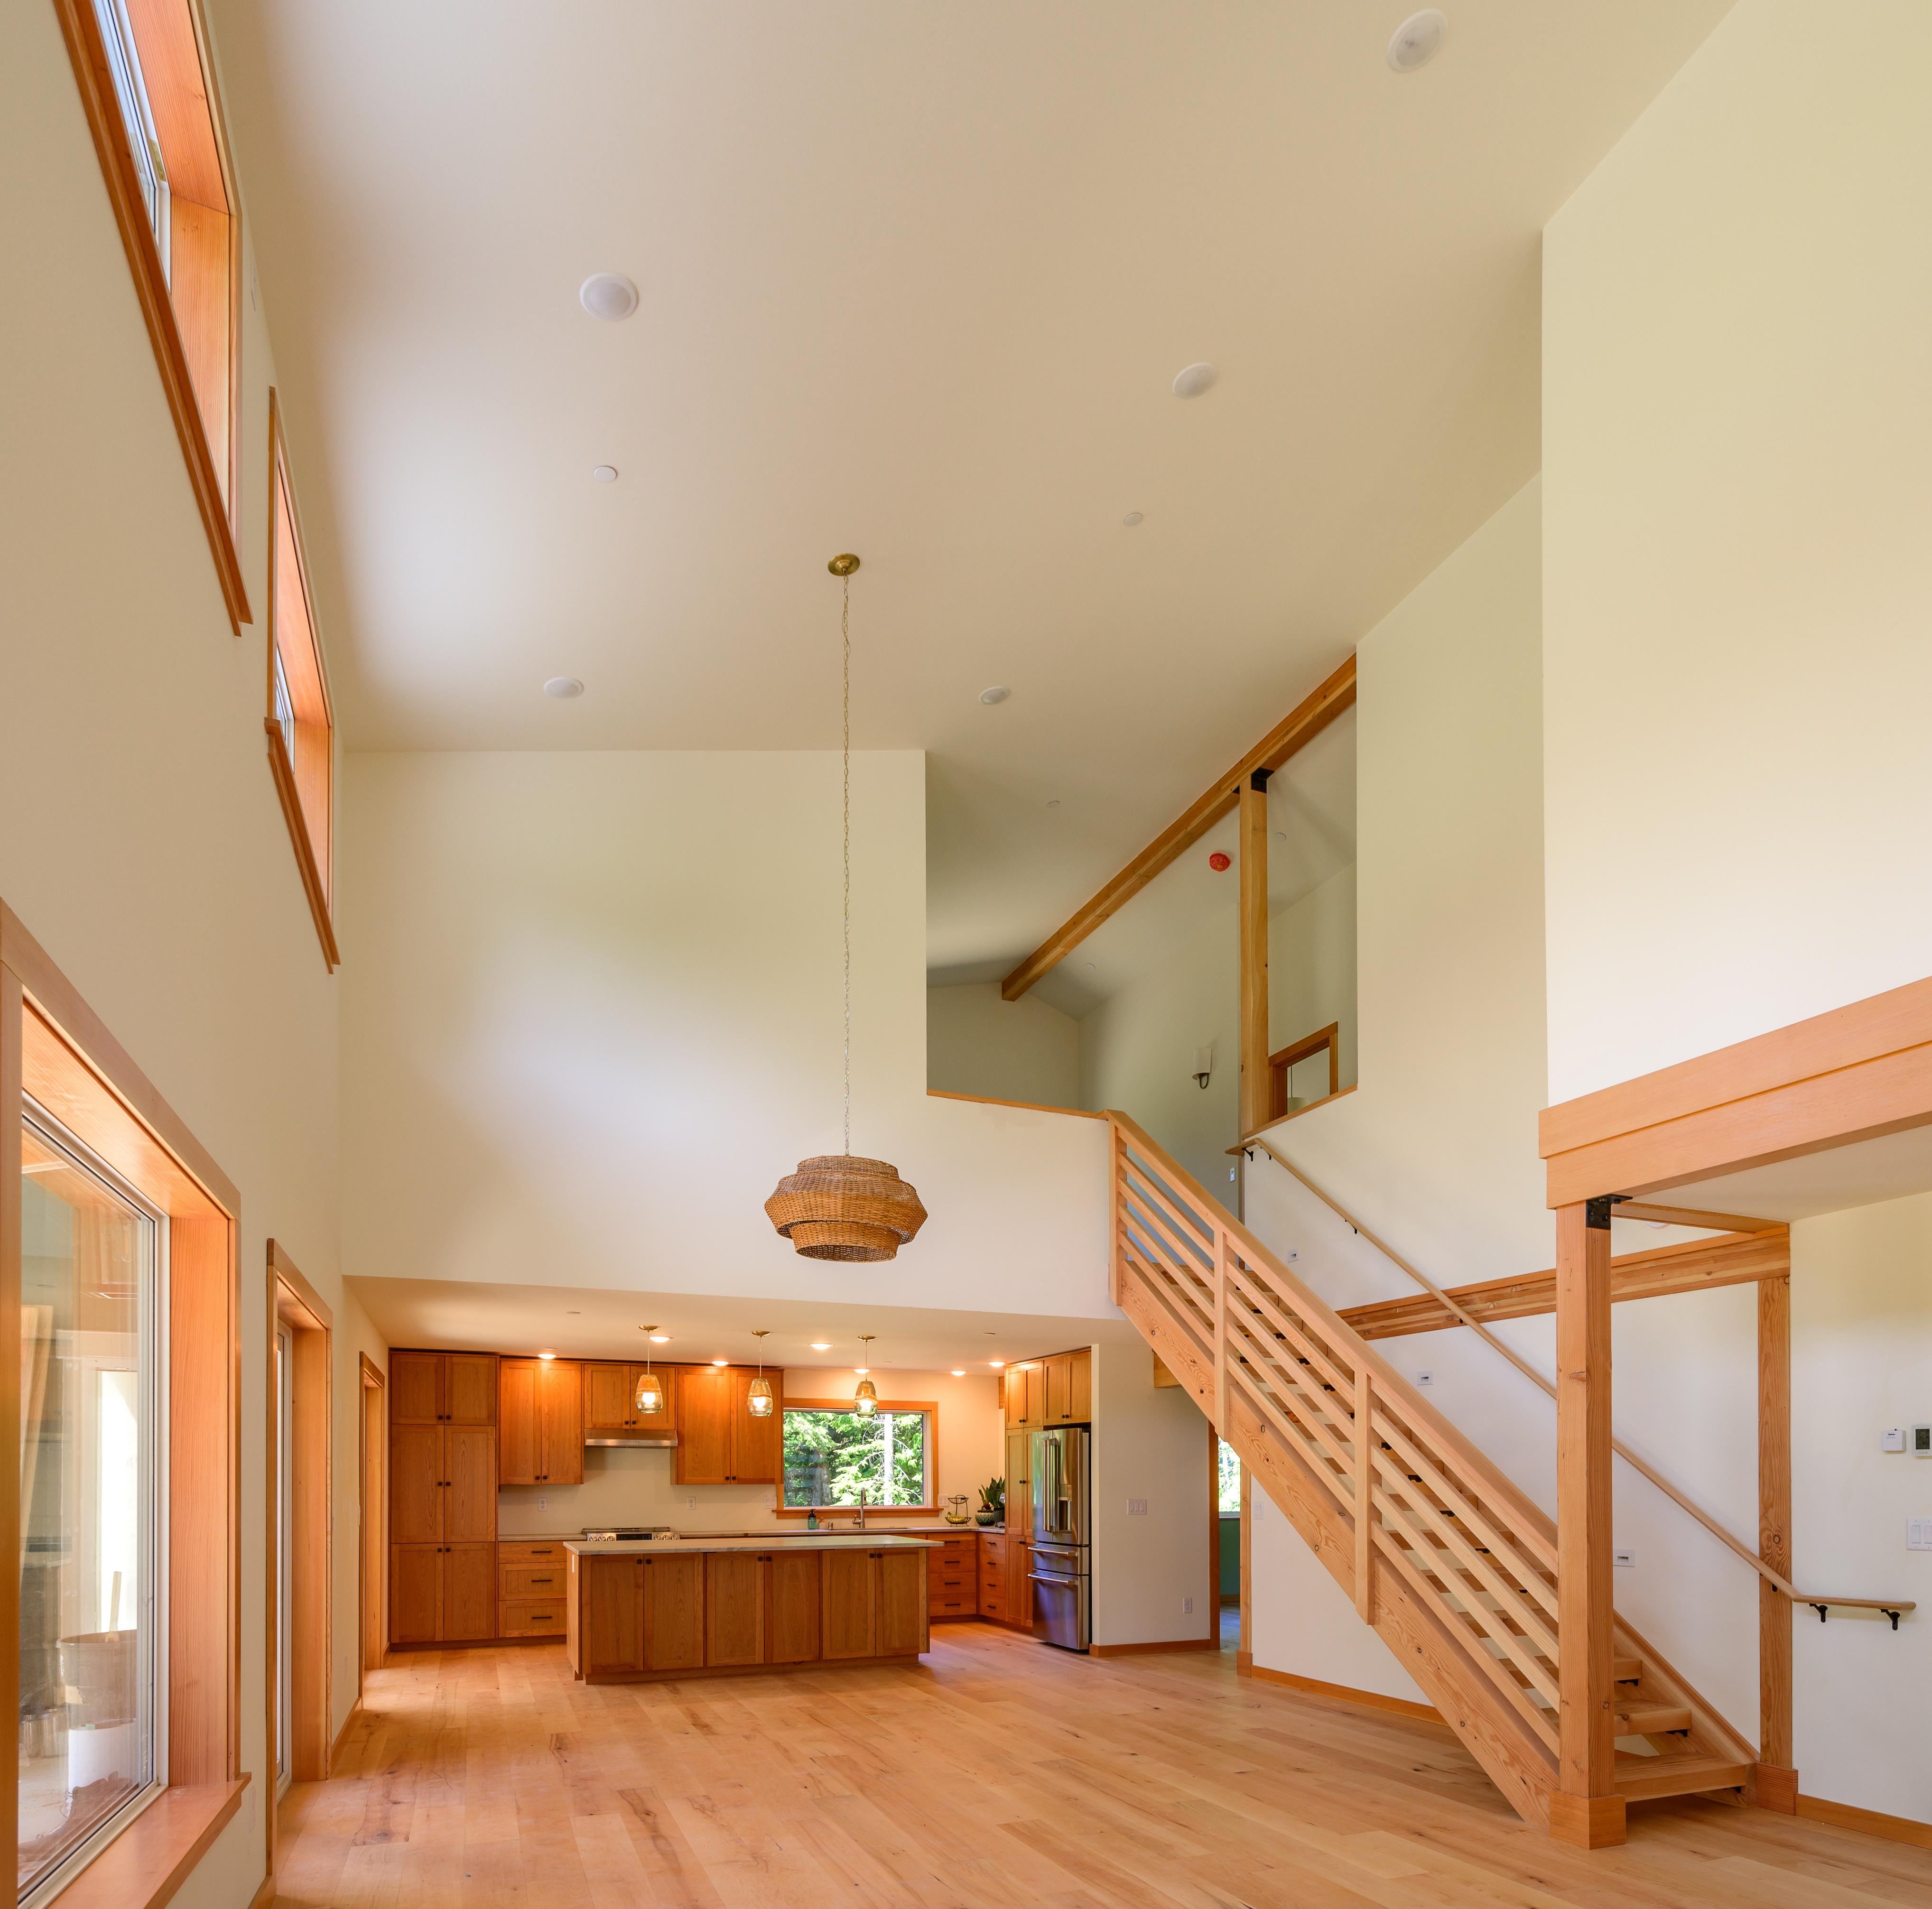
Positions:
(1518, 1766)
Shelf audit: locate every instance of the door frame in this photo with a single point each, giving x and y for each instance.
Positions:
(294, 1305)
(372, 1509)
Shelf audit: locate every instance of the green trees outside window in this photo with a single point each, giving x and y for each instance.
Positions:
(831, 1456)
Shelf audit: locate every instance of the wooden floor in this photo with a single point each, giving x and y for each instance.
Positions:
(1001, 1773)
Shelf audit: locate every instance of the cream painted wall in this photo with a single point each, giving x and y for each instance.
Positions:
(1737, 397)
(976, 1043)
(1137, 1048)
(1150, 1442)
(637, 1487)
(591, 1015)
(141, 842)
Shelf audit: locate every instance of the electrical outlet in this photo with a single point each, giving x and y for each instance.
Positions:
(1627, 1559)
(1893, 1439)
(1137, 1508)
(1231, 1173)
(1427, 1378)
(1187, 1606)
(1918, 1534)
(543, 1504)
(691, 1504)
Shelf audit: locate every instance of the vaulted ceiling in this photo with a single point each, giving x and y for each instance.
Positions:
(915, 282)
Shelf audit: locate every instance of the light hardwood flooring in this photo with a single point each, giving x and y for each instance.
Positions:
(999, 1775)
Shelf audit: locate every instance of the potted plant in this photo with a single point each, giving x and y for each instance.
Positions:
(992, 1501)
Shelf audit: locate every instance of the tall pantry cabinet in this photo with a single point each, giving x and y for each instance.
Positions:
(442, 1496)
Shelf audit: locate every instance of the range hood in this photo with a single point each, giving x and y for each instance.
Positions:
(640, 1440)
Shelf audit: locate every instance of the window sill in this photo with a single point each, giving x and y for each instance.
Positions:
(151, 1859)
(852, 1511)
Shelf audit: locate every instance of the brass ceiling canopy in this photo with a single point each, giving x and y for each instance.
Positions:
(841, 1206)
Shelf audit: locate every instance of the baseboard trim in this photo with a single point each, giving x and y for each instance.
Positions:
(1775, 1787)
(1342, 1693)
(1867, 1822)
(1142, 1650)
(1244, 1663)
(342, 1737)
(265, 1894)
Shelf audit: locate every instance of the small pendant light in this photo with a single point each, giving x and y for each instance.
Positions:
(843, 1206)
(866, 1399)
(649, 1399)
(758, 1399)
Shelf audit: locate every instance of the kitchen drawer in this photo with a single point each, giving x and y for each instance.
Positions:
(994, 1606)
(953, 1606)
(531, 1617)
(535, 1552)
(545, 1583)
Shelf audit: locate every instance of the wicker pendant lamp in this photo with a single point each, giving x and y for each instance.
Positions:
(841, 1206)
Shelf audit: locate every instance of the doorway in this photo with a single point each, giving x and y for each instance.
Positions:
(374, 1548)
(1231, 1546)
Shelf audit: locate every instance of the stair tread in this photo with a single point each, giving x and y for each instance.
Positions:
(1684, 1775)
(1652, 1719)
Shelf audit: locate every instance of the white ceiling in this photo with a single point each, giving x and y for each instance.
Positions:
(916, 280)
(594, 1323)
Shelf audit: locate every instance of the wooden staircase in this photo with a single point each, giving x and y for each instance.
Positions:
(1454, 1568)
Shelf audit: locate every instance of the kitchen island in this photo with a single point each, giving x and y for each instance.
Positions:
(639, 1610)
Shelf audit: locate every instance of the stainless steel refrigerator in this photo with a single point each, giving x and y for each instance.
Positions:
(1063, 1612)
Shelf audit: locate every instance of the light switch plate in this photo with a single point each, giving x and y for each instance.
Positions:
(1137, 1508)
(1918, 1534)
(1187, 1606)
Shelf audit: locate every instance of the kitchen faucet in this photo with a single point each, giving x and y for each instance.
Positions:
(861, 1508)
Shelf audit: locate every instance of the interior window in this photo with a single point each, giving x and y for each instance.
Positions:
(137, 117)
(832, 1453)
(90, 1267)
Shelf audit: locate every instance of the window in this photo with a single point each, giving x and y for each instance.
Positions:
(301, 722)
(144, 83)
(832, 1453)
(91, 1259)
(1230, 1480)
(1305, 1070)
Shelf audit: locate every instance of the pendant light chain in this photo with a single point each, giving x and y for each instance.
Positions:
(845, 803)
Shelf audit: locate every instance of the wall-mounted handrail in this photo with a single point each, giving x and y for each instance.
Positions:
(1890, 1606)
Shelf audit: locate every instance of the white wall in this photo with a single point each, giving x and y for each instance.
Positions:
(1150, 1442)
(976, 1043)
(1737, 399)
(141, 842)
(1137, 1048)
(1861, 1329)
(637, 1487)
(591, 1015)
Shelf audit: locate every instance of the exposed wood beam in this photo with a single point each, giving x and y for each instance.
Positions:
(1256, 1076)
(1736, 1259)
(1646, 1209)
(1306, 721)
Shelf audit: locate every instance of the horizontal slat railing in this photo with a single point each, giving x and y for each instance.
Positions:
(1421, 1501)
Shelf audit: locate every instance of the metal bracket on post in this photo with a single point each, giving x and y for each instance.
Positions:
(1259, 780)
(1596, 1212)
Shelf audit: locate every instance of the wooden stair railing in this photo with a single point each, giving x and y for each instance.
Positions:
(1452, 1565)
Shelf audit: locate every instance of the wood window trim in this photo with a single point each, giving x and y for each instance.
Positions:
(1305, 1048)
(309, 687)
(373, 1549)
(294, 1303)
(930, 1407)
(213, 471)
(54, 1046)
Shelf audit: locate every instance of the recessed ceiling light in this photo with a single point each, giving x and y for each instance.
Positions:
(1131, 518)
(572, 1313)
(721, 1361)
(997, 694)
(1195, 379)
(607, 294)
(959, 1372)
(660, 1338)
(563, 687)
(1054, 803)
(1090, 967)
(996, 1362)
(605, 473)
(862, 1370)
(547, 1353)
(1418, 40)
(821, 1345)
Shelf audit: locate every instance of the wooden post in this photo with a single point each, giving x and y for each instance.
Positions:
(1586, 1810)
(1116, 1271)
(1776, 1781)
(1224, 1297)
(1244, 1651)
(1365, 1498)
(1254, 840)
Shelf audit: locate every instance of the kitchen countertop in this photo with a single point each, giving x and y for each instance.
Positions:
(788, 1536)
(810, 1541)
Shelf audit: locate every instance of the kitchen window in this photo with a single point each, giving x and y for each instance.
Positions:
(832, 1453)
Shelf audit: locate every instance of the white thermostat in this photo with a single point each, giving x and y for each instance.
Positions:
(1920, 1441)
(1893, 1439)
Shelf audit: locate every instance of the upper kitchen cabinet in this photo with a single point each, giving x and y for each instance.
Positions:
(611, 1398)
(1024, 1387)
(442, 1388)
(540, 1421)
(718, 1441)
(1069, 1388)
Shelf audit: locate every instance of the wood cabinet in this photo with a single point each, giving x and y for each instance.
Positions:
(442, 1498)
(1024, 1394)
(442, 1594)
(761, 1607)
(993, 1578)
(718, 1441)
(540, 1421)
(674, 1623)
(531, 1577)
(610, 1393)
(873, 1604)
(1019, 1483)
(1069, 1388)
(442, 1388)
(1019, 1584)
(640, 1615)
(952, 1576)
